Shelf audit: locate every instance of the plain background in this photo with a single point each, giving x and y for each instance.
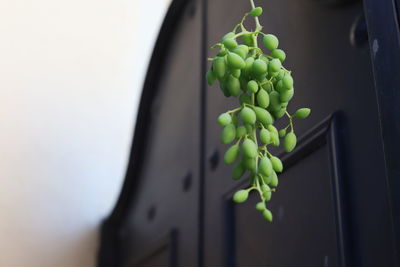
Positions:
(71, 73)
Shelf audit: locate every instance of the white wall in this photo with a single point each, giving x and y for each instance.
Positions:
(70, 78)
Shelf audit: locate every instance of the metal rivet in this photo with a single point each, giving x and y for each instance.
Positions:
(213, 159)
(151, 213)
(187, 182)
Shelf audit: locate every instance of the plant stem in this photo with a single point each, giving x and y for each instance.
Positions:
(258, 25)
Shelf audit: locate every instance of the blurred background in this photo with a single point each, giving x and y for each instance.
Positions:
(71, 77)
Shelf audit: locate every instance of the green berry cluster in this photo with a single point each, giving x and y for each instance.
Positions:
(264, 88)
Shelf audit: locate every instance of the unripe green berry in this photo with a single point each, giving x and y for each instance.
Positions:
(233, 85)
(259, 67)
(290, 142)
(228, 134)
(274, 65)
(276, 164)
(267, 215)
(235, 61)
(224, 119)
(249, 148)
(260, 206)
(219, 67)
(248, 116)
(238, 171)
(256, 12)
(240, 196)
(210, 76)
(265, 167)
(302, 113)
(231, 154)
(263, 115)
(229, 43)
(262, 98)
(265, 136)
(282, 133)
(252, 86)
(241, 131)
(270, 41)
(279, 54)
(266, 192)
(287, 81)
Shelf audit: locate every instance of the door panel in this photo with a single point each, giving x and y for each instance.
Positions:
(166, 200)
(331, 75)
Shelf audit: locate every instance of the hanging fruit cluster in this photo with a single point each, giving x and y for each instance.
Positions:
(264, 88)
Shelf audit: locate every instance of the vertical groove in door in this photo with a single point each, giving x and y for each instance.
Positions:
(203, 121)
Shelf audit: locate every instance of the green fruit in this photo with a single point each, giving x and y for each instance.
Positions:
(252, 86)
(256, 12)
(210, 76)
(249, 128)
(222, 52)
(238, 171)
(279, 86)
(276, 164)
(267, 215)
(224, 119)
(267, 87)
(265, 167)
(231, 154)
(233, 85)
(219, 67)
(280, 113)
(260, 206)
(235, 61)
(275, 102)
(270, 41)
(228, 134)
(241, 50)
(262, 98)
(249, 65)
(274, 65)
(240, 196)
(248, 39)
(229, 43)
(266, 192)
(224, 90)
(272, 129)
(302, 113)
(265, 136)
(264, 58)
(234, 119)
(244, 98)
(275, 139)
(287, 81)
(259, 67)
(274, 180)
(249, 164)
(241, 131)
(248, 116)
(263, 115)
(229, 35)
(249, 148)
(280, 75)
(282, 133)
(279, 54)
(290, 142)
(236, 73)
(286, 95)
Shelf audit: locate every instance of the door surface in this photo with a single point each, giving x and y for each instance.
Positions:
(335, 205)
